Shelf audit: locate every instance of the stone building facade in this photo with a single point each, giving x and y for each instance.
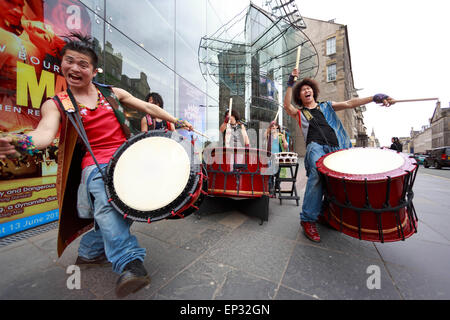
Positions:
(335, 75)
(421, 140)
(440, 127)
(434, 135)
(373, 141)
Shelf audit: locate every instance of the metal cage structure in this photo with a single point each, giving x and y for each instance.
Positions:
(251, 56)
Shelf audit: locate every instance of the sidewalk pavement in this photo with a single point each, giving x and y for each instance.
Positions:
(231, 256)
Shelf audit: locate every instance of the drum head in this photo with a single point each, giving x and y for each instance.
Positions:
(151, 173)
(153, 176)
(370, 163)
(368, 193)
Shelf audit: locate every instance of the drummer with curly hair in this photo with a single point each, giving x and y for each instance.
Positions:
(323, 133)
(149, 123)
(79, 179)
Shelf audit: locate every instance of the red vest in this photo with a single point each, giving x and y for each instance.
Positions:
(70, 155)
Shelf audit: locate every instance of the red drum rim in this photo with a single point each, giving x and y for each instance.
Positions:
(408, 165)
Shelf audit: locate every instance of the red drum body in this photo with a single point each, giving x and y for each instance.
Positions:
(368, 193)
(237, 172)
(155, 176)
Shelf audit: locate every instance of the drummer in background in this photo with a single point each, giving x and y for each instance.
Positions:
(235, 133)
(323, 133)
(276, 143)
(110, 240)
(149, 123)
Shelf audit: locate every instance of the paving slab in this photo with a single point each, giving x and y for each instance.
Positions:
(255, 252)
(419, 268)
(334, 275)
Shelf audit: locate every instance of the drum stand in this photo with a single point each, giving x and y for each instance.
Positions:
(253, 207)
(291, 194)
(252, 204)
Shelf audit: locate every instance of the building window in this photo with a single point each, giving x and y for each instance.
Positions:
(331, 46)
(331, 72)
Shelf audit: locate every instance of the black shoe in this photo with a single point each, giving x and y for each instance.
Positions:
(101, 260)
(133, 278)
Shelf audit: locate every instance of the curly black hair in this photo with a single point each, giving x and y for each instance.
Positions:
(298, 86)
(157, 99)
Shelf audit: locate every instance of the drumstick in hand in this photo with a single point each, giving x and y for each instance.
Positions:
(297, 62)
(276, 117)
(201, 134)
(413, 100)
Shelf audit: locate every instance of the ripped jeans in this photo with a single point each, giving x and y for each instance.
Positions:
(111, 234)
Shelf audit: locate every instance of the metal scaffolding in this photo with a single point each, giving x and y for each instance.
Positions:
(258, 39)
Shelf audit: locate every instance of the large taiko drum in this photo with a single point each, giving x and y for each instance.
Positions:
(237, 172)
(368, 193)
(154, 176)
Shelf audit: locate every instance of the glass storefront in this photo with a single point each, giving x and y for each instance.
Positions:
(196, 54)
(219, 50)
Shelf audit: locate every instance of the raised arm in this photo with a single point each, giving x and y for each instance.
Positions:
(245, 136)
(288, 107)
(223, 127)
(284, 141)
(129, 100)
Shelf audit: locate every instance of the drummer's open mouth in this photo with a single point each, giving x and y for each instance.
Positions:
(74, 77)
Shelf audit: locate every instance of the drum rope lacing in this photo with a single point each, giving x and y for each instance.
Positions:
(238, 170)
(403, 203)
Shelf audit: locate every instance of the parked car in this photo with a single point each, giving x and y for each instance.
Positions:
(420, 158)
(438, 158)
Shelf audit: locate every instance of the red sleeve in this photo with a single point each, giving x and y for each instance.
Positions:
(299, 119)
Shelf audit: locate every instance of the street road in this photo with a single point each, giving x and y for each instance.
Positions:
(432, 199)
(444, 172)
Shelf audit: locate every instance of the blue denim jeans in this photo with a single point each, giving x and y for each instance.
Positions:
(312, 199)
(111, 234)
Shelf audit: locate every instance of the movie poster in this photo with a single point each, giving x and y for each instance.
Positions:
(192, 106)
(31, 37)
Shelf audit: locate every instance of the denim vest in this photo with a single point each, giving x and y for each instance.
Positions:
(332, 120)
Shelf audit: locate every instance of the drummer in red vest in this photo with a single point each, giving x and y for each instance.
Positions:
(323, 133)
(149, 123)
(106, 130)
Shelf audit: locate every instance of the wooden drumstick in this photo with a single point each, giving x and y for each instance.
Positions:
(228, 129)
(276, 117)
(414, 100)
(201, 134)
(297, 62)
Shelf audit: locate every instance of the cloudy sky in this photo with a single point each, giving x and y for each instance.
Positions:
(398, 47)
